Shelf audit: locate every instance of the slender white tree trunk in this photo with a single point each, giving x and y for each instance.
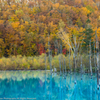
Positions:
(90, 60)
(97, 49)
(69, 61)
(81, 68)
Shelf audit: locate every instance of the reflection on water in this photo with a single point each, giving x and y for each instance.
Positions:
(40, 86)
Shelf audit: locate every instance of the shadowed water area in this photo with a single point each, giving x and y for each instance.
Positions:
(45, 86)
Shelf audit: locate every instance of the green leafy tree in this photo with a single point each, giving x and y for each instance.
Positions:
(88, 35)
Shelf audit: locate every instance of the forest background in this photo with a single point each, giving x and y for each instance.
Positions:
(26, 26)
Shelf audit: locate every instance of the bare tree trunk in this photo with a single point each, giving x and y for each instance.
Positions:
(94, 58)
(65, 66)
(75, 66)
(90, 60)
(97, 49)
(81, 68)
(75, 59)
(60, 59)
(69, 61)
(45, 63)
(49, 56)
(60, 64)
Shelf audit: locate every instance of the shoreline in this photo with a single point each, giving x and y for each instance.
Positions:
(44, 70)
(25, 70)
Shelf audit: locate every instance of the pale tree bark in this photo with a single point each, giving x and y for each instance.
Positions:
(49, 55)
(74, 47)
(81, 69)
(94, 58)
(90, 60)
(65, 66)
(97, 49)
(69, 61)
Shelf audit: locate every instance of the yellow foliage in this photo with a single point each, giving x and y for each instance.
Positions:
(13, 6)
(52, 27)
(42, 18)
(78, 1)
(44, 8)
(5, 16)
(35, 60)
(23, 60)
(35, 9)
(67, 39)
(56, 14)
(1, 21)
(85, 11)
(56, 5)
(98, 33)
(15, 25)
(26, 23)
(14, 18)
(99, 18)
(21, 27)
(33, 45)
(1, 61)
(1, 40)
(61, 7)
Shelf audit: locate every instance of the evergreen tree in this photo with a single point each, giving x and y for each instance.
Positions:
(88, 36)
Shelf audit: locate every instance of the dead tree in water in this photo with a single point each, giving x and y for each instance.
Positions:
(90, 60)
(74, 43)
(49, 55)
(69, 61)
(81, 65)
(97, 49)
(94, 58)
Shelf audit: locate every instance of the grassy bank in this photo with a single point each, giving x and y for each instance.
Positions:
(38, 62)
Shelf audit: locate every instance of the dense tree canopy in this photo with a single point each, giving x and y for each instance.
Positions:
(26, 24)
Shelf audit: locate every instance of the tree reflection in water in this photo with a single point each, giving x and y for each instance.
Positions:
(43, 86)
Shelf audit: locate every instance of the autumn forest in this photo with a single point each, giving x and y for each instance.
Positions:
(26, 26)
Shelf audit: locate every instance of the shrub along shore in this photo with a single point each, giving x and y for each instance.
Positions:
(41, 62)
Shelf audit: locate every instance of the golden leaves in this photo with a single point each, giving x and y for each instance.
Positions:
(85, 11)
(21, 27)
(51, 27)
(99, 18)
(56, 5)
(44, 8)
(1, 21)
(13, 6)
(42, 18)
(13, 18)
(98, 33)
(61, 24)
(1, 41)
(78, 1)
(15, 25)
(26, 23)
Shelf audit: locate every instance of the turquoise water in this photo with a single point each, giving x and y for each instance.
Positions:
(36, 85)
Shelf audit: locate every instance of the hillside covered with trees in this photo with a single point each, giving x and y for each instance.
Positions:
(26, 26)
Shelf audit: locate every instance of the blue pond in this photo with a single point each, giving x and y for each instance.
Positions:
(37, 85)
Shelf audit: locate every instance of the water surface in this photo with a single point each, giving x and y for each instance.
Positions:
(40, 86)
